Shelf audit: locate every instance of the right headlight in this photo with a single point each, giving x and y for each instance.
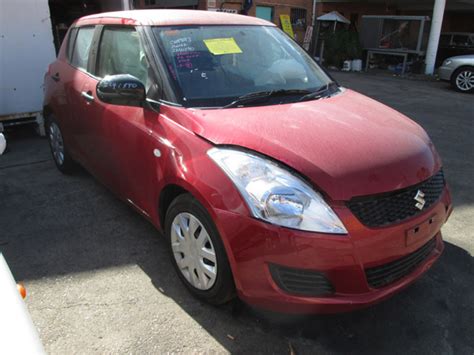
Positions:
(447, 62)
(275, 195)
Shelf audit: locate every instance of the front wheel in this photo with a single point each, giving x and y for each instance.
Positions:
(197, 251)
(463, 80)
(61, 156)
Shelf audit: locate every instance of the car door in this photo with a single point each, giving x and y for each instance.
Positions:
(70, 75)
(91, 134)
(122, 135)
(57, 84)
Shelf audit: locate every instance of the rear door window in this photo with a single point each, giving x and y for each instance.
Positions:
(82, 46)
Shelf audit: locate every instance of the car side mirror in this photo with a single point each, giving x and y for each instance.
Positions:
(122, 89)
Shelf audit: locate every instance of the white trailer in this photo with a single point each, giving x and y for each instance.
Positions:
(26, 49)
(17, 331)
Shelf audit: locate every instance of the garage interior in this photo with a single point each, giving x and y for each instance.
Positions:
(65, 12)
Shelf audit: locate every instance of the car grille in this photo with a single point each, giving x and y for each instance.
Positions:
(385, 274)
(397, 206)
(301, 282)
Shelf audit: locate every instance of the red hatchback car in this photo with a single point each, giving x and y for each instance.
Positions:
(270, 181)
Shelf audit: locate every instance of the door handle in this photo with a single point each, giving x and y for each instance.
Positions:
(55, 77)
(87, 96)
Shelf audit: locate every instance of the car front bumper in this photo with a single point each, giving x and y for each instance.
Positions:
(254, 246)
(445, 72)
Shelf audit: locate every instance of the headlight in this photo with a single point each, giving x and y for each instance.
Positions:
(275, 195)
(447, 62)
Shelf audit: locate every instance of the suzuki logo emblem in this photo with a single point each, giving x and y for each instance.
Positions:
(419, 198)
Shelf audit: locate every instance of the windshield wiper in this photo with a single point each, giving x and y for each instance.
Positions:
(259, 95)
(319, 93)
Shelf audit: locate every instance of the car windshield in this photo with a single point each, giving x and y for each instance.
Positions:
(211, 66)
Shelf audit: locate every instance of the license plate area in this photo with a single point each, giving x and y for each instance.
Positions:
(421, 230)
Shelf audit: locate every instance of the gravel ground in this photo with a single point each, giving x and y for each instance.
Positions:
(100, 281)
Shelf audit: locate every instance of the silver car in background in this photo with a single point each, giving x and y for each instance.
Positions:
(459, 71)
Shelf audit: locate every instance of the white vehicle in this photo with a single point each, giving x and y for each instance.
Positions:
(3, 143)
(18, 335)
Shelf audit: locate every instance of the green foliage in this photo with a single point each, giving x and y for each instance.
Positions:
(340, 46)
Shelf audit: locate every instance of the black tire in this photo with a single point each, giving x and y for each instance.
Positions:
(66, 165)
(223, 289)
(455, 83)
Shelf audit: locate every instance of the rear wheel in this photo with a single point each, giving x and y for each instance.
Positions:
(197, 251)
(61, 157)
(463, 79)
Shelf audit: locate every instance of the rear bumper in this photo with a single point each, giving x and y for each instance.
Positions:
(253, 246)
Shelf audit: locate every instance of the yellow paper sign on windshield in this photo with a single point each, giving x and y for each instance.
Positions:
(220, 46)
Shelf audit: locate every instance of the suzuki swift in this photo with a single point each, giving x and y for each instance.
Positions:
(269, 180)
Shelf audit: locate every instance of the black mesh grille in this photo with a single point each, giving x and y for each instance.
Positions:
(301, 282)
(393, 207)
(385, 274)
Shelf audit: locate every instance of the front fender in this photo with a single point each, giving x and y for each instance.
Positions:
(185, 163)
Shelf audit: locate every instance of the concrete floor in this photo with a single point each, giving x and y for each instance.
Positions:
(99, 278)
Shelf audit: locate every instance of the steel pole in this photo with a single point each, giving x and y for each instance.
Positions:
(313, 18)
(435, 32)
(126, 5)
(314, 39)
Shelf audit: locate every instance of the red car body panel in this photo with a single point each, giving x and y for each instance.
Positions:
(342, 258)
(327, 141)
(346, 145)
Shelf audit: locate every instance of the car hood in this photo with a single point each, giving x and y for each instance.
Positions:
(347, 145)
(463, 59)
(466, 58)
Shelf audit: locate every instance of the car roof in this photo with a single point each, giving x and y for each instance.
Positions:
(171, 18)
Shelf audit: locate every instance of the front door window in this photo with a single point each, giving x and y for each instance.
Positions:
(121, 52)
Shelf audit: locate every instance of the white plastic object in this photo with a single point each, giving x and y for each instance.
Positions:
(17, 332)
(347, 65)
(357, 65)
(3, 143)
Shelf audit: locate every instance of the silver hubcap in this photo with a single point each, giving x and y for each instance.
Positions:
(193, 251)
(57, 143)
(465, 80)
